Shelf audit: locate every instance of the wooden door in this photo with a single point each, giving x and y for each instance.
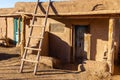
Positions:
(16, 29)
(80, 32)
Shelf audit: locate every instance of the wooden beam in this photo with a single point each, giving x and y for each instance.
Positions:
(10, 15)
(73, 16)
(6, 36)
(111, 46)
(90, 13)
(23, 35)
(6, 26)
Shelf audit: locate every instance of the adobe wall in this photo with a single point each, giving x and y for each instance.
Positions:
(72, 6)
(36, 32)
(60, 39)
(60, 44)
(10, 28)
(2, 26)
(99, 38)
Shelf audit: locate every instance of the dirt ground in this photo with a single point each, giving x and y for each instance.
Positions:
(10, 63)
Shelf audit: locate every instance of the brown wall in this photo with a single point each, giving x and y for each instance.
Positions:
(59, 43)
(60, 40)
(36, 32)
(2, 27)
(99, 38)
(10, 26)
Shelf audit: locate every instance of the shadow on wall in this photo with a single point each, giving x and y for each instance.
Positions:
(44, 46)
(51, 6)
(59, 48)
(99, 32)
(94, 45)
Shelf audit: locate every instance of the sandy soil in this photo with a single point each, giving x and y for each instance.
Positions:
(10, 63)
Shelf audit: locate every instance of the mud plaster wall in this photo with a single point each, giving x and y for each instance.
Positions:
(55, 44)
(10, 28)
(2, 27)
(36, 32)
(60, 44)
(99, 38)
(69, 6)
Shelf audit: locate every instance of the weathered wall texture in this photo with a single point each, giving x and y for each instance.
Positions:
(57, 42)
(2, 27)
(9, 25)
(6, 10)
(70, 6)
(6, 29)
(60, 43)
(36, 32)
(10, 28)
(99, 38)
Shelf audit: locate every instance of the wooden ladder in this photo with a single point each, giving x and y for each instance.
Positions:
(26, 48)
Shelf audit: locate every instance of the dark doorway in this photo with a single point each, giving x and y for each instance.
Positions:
(79, 36)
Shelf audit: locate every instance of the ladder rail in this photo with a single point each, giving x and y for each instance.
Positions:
(30, 33)
(31, 29)
(42, 34)
(41, 40)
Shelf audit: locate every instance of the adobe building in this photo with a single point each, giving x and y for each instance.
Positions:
(76, 30)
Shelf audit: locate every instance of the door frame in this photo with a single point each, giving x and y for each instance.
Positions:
(73, 41)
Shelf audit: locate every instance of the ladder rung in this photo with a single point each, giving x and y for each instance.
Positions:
(36, 26)
(29, 60)
(36, 37)
(32, 48)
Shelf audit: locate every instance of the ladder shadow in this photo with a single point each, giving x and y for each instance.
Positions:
(52, 7)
